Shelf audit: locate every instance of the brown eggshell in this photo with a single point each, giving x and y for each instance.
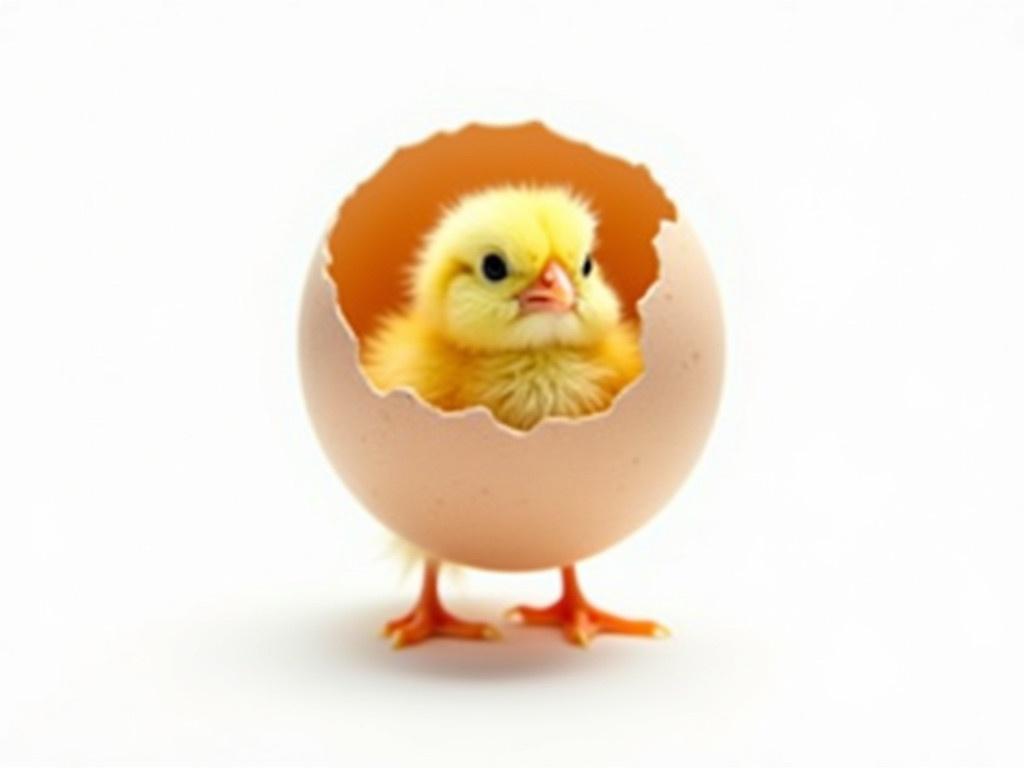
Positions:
(469, 490)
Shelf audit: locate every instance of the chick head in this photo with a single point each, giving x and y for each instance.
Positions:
(512, 268)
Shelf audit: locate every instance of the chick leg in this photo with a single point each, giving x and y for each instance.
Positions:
(428, 618)
(580, 621)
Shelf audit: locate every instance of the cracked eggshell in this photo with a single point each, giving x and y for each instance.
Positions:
(460, 485)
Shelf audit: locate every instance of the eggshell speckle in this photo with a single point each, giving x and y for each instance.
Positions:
(460, 485)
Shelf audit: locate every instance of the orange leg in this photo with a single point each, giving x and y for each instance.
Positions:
(580, 621)
(428, 618)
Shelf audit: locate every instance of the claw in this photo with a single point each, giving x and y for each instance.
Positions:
(581, 638)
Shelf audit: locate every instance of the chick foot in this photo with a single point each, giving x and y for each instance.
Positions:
(428, 618)
(580, 621)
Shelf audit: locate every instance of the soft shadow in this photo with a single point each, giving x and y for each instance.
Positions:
(348, 637)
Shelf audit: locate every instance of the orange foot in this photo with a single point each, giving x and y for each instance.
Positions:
(428, 618)
(580, 621)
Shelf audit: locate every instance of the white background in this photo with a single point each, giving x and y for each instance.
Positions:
(184, 581)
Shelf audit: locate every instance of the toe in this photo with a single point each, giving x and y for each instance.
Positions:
(616, 625)
(525, 614)
(469, 630)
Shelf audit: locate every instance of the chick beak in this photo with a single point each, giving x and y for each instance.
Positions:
(552, 291)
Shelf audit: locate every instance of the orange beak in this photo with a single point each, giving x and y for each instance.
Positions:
(552, 291)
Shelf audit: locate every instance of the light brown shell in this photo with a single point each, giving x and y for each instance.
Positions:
(468, 490)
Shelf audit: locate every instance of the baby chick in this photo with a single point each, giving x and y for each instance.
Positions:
(509, 309)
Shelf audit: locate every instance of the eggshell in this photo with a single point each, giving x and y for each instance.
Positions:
(460, 485)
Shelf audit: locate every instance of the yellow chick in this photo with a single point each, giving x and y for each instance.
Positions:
(509, 310)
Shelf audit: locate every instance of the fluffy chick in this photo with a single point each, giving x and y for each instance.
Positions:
(508, 309)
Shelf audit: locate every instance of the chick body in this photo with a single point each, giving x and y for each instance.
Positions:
(520, 387)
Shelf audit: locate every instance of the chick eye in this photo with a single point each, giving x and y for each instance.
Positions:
(588, 265)
(494, 267)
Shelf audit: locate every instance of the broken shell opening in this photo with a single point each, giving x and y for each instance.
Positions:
(380, 226)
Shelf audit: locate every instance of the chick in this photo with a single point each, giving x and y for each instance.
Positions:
(509, 309)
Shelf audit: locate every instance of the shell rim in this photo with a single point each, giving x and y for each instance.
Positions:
(476, 411)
